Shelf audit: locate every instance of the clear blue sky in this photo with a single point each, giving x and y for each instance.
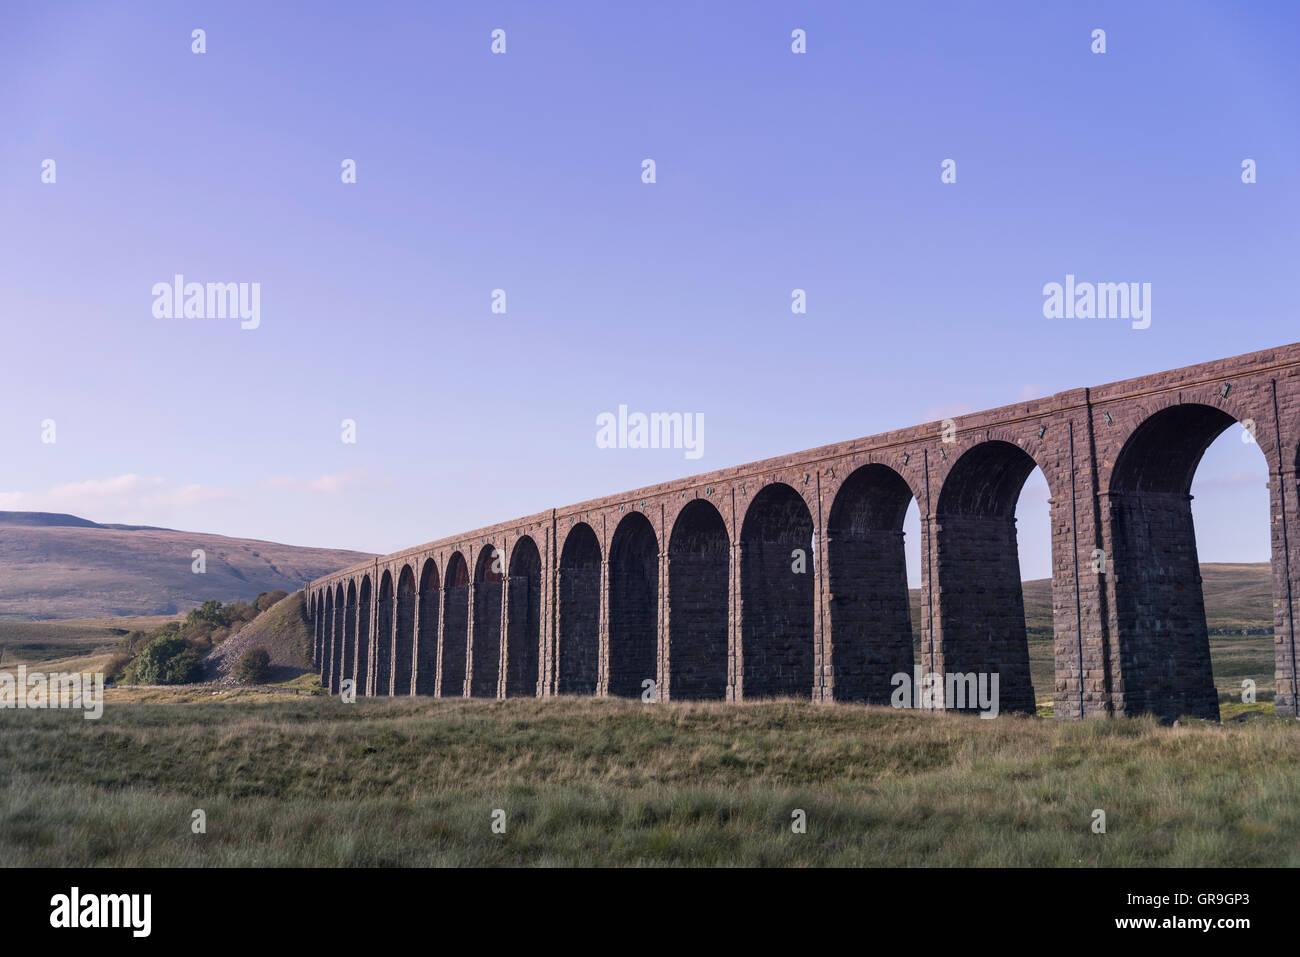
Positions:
(523, 172)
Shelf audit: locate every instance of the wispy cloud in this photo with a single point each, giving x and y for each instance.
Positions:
(330, 483)
(119, 494)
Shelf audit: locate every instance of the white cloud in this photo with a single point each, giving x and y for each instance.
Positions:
(330, 483)
(337, 482)
(107, 498)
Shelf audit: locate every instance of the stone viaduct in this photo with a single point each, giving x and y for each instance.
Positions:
(697, 584)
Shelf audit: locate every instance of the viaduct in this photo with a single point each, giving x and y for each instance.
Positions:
(698, 584)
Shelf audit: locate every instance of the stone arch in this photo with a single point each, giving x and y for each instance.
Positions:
(1160, 635)
(384, 636)
(777, 592)
(350, 634)
(455, 627)
(524, 619)
(404, 636)
(699, 572)
(579, 612)
(320, 631)
(426, 642)
(364, 598)
(870, 609)
(336, 641)
(981, 626)
(633, 606)
(326, 636)
(489, 594)
(313, 612)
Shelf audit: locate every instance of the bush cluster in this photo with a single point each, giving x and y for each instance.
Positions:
(172, 654)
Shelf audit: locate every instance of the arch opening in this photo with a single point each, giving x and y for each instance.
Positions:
(382, 685)
(777, 594)
(981, 627)
(1161, 633)
(350, 634)
(524, 620)
(327, 637)
(455, 627)
(315, 629)
(579, 608)
(404, 636)
(633, 606)
(699, 569)
(336, 649)
(489, 587)
(363, 636)
(870, 607)
(426, 642)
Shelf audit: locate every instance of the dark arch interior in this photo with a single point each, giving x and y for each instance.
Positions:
(579, 594)
(633, 606)
(1163, 642)
(981, 602)
(698, 618)
(986, 481)
(363, 637)
(404, 639)
(350, 634)
(382, 684)
(455, 628)
(315, 630)
(524, 621)
(337, 654)
(1162, 453)
(488, 599)
(327, 637)
(871, 621)
(777, 593)
(426, 641)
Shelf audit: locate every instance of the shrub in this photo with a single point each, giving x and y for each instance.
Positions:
(167, 660)
(210, 612)
(268, 598)
(254, 665)
(115, 668)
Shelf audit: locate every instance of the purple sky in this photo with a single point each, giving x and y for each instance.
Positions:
(522, 172)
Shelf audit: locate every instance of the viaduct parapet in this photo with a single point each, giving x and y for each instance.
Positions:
(698, 584)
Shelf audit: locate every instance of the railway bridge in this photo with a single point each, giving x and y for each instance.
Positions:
(786, 577)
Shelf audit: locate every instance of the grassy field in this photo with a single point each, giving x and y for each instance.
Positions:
(301, 779)
(70, 644)
(314, 781)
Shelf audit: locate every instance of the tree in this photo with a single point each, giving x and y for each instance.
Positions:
(253, 667)
(210, 612)
(167, 660)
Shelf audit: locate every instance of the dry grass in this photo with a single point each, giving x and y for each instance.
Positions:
(313, 781)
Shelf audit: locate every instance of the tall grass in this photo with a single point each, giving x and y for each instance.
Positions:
(313, 781)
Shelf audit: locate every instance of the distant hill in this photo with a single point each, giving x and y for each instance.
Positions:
(1238, 598)
(63, 566)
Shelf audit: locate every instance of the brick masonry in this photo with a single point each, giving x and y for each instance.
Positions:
(698, 583)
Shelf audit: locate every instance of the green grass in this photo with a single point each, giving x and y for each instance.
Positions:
(312, 781)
